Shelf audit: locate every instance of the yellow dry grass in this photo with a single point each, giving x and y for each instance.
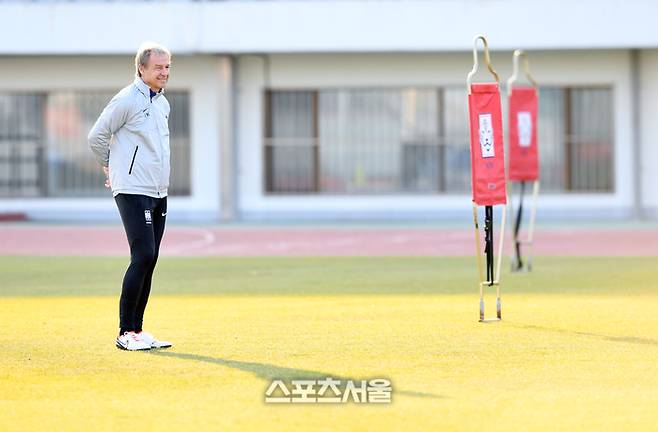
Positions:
(556, 362)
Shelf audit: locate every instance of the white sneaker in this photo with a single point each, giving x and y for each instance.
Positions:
(153, 342)
(130, 341)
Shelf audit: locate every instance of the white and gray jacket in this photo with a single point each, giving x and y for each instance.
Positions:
(131, 136)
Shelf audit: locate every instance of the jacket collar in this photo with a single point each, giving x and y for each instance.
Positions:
(144, 88)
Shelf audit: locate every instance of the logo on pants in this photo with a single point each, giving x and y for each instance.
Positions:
(147, 216)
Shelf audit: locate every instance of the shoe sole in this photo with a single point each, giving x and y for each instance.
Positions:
(161, 347)
(121, 347)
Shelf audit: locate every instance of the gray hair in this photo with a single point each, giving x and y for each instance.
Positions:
(144, 54)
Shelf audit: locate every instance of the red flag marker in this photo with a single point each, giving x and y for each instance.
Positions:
(487, 171)
(487, 156)
(523, 154)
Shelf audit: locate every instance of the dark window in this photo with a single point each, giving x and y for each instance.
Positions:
(44, 150)
(415, 140)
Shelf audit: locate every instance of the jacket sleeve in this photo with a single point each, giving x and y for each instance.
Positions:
(109, 122)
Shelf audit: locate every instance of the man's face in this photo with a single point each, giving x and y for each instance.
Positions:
(156, 72)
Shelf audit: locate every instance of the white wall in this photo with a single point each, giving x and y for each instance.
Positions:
(324, 26)
(200, 75)
(649, 130)
(367, 70)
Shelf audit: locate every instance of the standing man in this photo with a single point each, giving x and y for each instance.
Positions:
(131, 141)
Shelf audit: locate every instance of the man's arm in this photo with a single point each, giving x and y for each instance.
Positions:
(106, 171)
(109, 122)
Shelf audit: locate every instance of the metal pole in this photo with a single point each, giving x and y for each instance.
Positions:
(517, 227)
(488, 248)
(478, 254)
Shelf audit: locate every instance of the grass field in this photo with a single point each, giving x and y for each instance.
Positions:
(577, 350)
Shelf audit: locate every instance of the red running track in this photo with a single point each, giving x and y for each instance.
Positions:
(44, 240)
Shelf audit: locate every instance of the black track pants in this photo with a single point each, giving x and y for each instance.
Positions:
(144, 221)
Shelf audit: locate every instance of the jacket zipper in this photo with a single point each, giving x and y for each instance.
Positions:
(161, 160)
(159, 135)
(130, 171)
(157, 129)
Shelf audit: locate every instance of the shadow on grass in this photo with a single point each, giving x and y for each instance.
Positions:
(624, 339)
(271, 372)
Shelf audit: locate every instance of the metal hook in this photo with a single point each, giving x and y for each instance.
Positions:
(526, 70)
(475, 61)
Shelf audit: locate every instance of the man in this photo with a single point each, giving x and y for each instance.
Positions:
(131, 141)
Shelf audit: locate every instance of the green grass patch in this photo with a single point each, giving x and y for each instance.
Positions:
(79, 276)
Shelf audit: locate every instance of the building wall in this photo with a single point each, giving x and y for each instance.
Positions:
(649, 130)
(206, 78)
(295, 71)
(202, 76)
(325, 26)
